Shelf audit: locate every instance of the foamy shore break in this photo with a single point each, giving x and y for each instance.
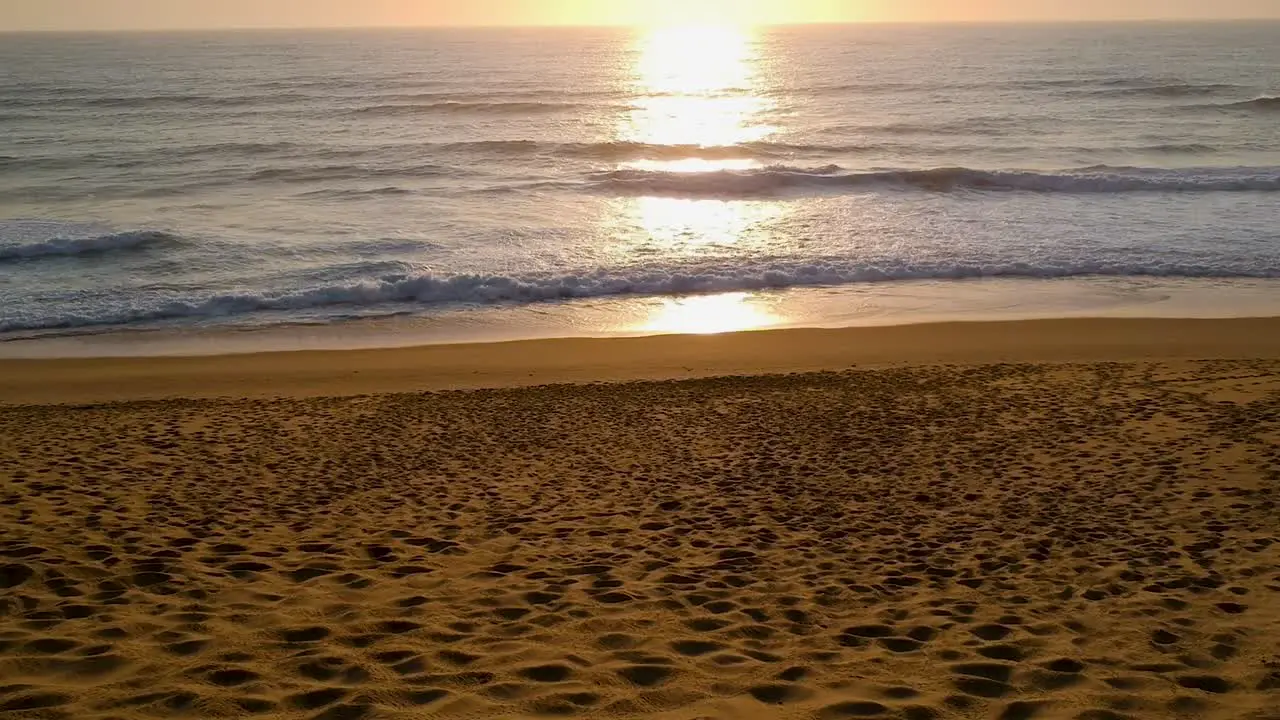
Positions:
(1049, 519)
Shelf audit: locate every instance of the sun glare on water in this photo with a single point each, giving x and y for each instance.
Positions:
(697, 87)
(695, 59)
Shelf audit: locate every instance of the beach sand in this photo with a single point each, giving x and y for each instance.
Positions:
(1071, 519)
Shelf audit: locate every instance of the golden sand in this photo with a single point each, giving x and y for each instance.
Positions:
(1074, 540)
(540, 362)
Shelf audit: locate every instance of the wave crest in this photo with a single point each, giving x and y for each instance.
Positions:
(622, 151)
(320, 173)
(1266, 102)
(781, 179)
(394, 292)
(497, 107)
(63, 247)
(1162, 89)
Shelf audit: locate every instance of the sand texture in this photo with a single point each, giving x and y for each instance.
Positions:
(1015, 541)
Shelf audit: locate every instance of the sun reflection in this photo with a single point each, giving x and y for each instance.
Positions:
(676, 225)
(693, 165)
(711, 314)
(694, 59)
(697, 85)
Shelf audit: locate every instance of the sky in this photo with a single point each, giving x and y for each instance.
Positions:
(172, 14)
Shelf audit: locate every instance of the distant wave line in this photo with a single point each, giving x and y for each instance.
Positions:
(1266, 102)
(776, 180)
(503, 108)
(499, 150)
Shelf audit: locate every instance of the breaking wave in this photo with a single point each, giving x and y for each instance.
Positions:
(60, 246)
(1266, 102)
(395, 291)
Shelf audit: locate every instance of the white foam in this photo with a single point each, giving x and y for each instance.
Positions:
(82, 245)
(427, 290)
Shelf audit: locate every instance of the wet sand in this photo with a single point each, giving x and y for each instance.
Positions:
(540, 362)
(1081, 521)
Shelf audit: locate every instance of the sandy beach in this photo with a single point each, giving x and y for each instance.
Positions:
(662, 357)
(1075, 519)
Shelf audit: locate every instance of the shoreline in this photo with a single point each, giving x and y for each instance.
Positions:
(312, 373)
(910, 302)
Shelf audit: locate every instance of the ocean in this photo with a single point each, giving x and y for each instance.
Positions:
(435, 185)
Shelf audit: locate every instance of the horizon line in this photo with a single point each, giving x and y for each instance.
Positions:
(632, 26)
